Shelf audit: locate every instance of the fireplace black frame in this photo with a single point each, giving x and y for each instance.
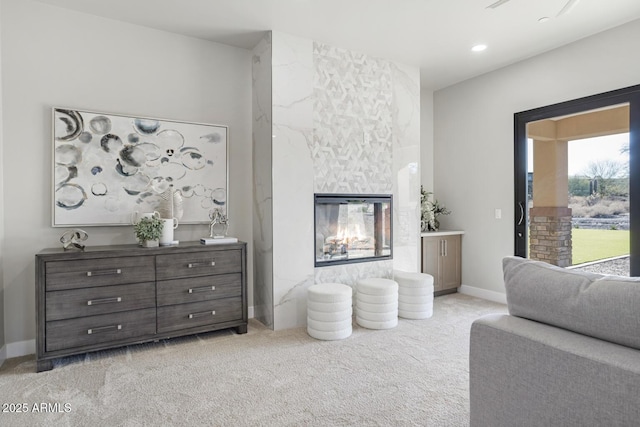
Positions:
(328, 198)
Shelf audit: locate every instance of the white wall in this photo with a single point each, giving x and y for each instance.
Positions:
(473, 138)
(3, 348)
(426, 139)
(55, 57)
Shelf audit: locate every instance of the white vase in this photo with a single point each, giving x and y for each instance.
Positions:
(168, 225)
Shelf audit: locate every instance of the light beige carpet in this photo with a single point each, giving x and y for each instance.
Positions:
(414, 374)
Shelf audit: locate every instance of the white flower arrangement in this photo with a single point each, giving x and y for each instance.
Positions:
(430, 211)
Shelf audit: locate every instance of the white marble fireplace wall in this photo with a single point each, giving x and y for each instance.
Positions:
(367, 141)
(343, 122)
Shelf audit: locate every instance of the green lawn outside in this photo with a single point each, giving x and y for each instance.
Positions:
(592, 245)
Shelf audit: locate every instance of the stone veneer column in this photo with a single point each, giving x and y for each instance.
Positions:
(550, 235)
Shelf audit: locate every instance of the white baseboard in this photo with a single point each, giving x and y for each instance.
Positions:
(21, 348)
(250, 312)
(483, 293)
(3, 354)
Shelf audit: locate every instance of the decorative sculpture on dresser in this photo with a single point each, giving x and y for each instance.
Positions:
(71, 239)
(219, 224)
(171, 205)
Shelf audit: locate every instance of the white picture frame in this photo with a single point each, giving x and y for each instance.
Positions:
(108, 168)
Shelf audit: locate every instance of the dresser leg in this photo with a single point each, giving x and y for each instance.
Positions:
(242, 329)
(44, 365)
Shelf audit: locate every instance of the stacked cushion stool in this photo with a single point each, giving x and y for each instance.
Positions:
(329, 311)
(415, 294)
(377, 303)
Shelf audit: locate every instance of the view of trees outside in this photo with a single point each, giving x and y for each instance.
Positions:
(599, 201)
(599, 182)
(598, 196)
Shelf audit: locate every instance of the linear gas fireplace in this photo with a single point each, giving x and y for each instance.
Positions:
(352, 228)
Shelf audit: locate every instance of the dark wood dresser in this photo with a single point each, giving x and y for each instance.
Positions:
(111, 296)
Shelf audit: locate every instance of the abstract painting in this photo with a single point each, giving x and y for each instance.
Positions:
(107, 167)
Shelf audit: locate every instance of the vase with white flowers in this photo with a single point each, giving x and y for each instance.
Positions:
(430, 210)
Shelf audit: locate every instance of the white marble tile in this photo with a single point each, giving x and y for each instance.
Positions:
(406, 105)
(348, 274)
(293, 225)
(406, 159)
(292, 178)
(352, 122)
(290, 309)
(292, 81)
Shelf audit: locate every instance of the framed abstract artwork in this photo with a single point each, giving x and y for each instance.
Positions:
(109, 167)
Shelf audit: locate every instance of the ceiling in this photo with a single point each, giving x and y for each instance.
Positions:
(435, 35)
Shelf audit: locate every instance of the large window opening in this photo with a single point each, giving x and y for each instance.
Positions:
(598, 204)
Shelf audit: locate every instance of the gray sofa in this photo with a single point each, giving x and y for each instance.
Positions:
(567, 354)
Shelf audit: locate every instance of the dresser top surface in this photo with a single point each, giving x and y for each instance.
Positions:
(136, 250)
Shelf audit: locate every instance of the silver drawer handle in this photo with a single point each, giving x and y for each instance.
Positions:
(104, 300)
(201, 264)
(204, 313)
(202, 289)
(103, 329)
(104, 272)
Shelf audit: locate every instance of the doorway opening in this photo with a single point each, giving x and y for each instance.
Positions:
(553, 202)
(578, 190)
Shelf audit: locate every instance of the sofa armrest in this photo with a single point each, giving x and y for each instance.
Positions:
(525, 373)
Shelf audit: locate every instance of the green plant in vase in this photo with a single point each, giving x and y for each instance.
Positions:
(148, 231)
(430, 210)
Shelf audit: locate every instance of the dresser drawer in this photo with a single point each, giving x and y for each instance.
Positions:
(98, 272)
(84, 331)
(194, 289)
(175, 266)
(102, 300)
(185, 316)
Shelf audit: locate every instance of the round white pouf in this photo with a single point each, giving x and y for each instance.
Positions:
(415, 294)
(329, 311)
(377, 303)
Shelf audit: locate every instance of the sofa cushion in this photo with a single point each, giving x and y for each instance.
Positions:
(605, 307)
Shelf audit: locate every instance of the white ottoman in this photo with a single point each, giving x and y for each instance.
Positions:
(415, 294)
(377, 303)
(329, 311)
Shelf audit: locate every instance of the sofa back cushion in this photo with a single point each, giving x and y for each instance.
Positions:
(604, 307)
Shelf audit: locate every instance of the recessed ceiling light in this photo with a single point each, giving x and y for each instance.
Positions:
(479, 47)
(544, 19)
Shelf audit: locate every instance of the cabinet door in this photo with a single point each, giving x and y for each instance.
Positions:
(431, 249)
(450, 263)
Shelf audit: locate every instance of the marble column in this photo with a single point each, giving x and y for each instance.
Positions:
(293, 238)
(406, 170)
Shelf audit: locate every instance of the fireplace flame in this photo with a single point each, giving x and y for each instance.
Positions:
(349, 234)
